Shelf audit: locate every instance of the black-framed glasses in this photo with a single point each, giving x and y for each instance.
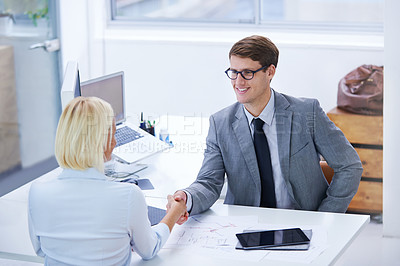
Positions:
(246, 74)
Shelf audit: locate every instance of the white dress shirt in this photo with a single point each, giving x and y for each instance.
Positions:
(81, 218)
(267, 115)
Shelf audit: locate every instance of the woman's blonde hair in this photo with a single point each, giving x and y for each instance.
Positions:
(83, 133)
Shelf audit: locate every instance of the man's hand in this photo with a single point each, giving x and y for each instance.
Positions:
(178, 196)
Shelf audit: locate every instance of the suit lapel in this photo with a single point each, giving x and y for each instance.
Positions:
(242, 131)
(283, 129)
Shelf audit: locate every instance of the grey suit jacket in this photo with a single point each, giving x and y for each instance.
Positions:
(304, 133)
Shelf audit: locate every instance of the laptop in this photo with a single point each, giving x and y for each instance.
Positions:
(133, 143)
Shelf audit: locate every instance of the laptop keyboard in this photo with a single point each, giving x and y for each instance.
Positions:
(155, 214)
(126, 134)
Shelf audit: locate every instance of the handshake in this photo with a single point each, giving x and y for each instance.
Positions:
(176, 207)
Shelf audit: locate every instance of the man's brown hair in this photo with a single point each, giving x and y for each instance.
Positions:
(257, 48)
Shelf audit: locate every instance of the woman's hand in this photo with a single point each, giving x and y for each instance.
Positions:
(178, 205)
(176, 209)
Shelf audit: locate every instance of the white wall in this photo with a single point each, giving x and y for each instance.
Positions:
(74, 34)
(179, 76)
(391, 130)
(82, 23)
(181, 70)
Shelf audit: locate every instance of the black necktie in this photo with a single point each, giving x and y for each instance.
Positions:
(264, 165)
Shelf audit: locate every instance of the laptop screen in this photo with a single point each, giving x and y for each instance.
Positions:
(109, 88)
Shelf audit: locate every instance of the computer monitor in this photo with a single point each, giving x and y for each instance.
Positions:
(71, 83)
(109, 88)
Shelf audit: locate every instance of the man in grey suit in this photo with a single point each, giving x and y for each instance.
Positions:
(297, 132)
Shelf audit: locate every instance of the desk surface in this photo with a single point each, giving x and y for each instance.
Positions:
(341, 228)
(169, 171)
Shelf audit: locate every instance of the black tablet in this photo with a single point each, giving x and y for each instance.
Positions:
(272, 238)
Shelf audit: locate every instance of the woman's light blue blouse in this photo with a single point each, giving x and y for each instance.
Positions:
(81, 218)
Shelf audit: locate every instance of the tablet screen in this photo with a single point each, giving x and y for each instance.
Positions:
(272, 238)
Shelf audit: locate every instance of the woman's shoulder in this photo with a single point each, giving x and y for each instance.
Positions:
(123, 189)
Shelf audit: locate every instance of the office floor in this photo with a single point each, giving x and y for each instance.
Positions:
(17, 177)
(371, 249)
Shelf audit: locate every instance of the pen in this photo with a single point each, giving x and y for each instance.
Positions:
(142, 123)
(149, 123)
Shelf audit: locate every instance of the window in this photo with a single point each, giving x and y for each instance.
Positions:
(367, 14)
(21, 16)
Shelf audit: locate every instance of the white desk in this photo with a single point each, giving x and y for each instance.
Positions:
(169, 171)
(342, 229)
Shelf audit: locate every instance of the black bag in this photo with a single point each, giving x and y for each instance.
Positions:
(361, 91)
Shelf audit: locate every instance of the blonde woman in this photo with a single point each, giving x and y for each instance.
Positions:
(80, 218)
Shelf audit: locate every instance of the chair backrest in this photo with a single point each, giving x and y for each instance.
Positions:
(327, 170)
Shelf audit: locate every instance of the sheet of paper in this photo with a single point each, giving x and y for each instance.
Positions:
(214, 236)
